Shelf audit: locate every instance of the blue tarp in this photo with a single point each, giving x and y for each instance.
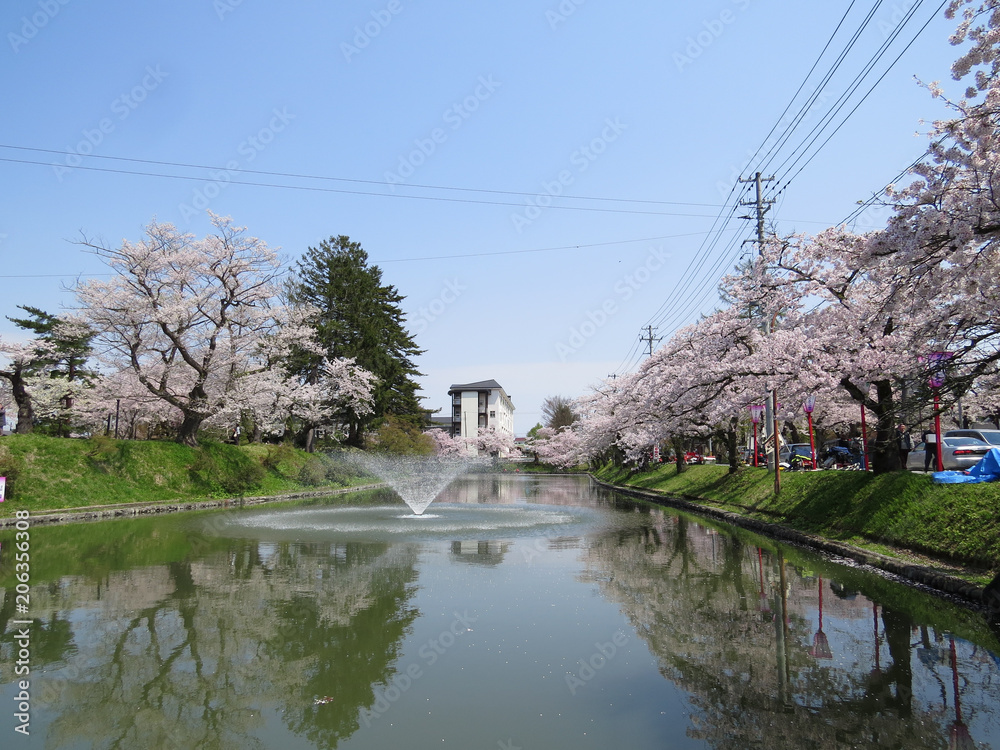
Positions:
(987, 470)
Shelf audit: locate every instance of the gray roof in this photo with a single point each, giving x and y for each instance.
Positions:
(482, 385)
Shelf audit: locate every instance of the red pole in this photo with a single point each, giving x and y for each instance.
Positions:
(777, 443)
(954, 680)
(812, 443)
(755, 445)
(937, 431)
(821, 602)
(864, 439)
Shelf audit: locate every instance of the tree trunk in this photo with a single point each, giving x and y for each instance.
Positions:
(678, 455)
(885, 453)
(188, 432)
(731, 446)
(25, 410)
(794, 432)
(354, 434)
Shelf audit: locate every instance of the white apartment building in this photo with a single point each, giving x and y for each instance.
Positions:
(482, 404)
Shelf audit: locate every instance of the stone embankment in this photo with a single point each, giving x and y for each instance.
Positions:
(104, 512)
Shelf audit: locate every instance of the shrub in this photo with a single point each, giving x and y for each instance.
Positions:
(277, 456)
(313, 472)
(105, 453)
(227, 469)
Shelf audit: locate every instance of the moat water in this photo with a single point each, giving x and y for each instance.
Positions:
(516, 612)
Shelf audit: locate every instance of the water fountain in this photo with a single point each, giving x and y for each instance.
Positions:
(416, 479)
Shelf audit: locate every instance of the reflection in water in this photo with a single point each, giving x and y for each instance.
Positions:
(289, 627)
(189, 654)
(687, 589)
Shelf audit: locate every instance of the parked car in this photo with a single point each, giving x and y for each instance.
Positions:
(796, 456)
(957, 453)
(987, 436)
(798, 449)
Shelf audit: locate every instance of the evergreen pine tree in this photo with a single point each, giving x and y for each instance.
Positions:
(358, 316)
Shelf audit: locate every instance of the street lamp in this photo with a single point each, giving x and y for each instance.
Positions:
(935, 380)
(756, 412)
(807, 406)
(864, 440)
(821, 644)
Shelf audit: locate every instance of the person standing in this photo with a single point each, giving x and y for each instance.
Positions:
(904, 443)
(930, 451)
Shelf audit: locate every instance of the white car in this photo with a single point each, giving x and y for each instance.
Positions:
(958, 454)
(987, 436)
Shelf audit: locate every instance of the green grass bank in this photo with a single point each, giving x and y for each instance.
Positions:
(888, 514)
(47, 474)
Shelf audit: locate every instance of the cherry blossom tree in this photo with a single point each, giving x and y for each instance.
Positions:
(271, 394)
(119, 404)
(182, 314)
(492, 442)
(19, 357)
(46, 373)
(446, 445)
(561, 447)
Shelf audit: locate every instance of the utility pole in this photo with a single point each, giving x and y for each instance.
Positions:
(761, 207)
(650, 339)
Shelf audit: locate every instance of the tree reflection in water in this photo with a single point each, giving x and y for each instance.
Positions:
(191, 653)
(755, 673)
(149, 636)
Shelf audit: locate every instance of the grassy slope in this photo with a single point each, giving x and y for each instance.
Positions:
(955, 522)
(56, 473)
(958, 522)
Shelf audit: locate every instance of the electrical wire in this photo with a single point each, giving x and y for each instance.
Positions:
(860, 101)
(327, 178)
(685, 296)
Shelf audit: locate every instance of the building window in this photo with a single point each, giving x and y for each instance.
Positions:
(493, 414)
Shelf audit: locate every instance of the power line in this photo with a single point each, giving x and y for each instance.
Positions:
(320, 177)
(685, 290)
(540, 249)
(804, 109)
(310, 188)
(854, 88)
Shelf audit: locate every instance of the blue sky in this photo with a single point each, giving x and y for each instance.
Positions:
(447, 138)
